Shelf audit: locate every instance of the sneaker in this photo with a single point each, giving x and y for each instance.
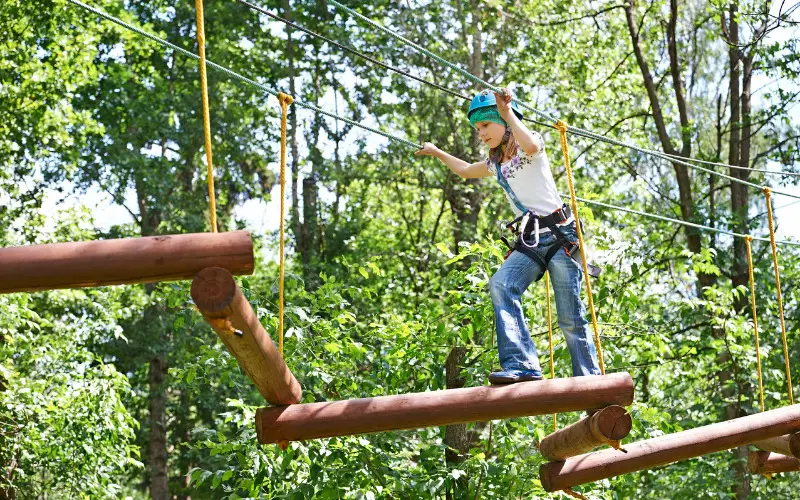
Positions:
(513, 376)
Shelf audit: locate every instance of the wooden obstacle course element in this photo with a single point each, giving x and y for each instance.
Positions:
(122, 261)
(767, 462)
(452, 406)
(605, 427)
(670, 448)
(226, 309)
(788, 445)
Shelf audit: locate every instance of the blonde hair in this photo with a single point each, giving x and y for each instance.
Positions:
(508, 147)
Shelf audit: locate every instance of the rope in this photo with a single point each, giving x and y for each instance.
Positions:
(737, 167)
(574, 494)
(349, 49)
(285, 101)
(678, 221)
(264, 88)
(768, 195)
(550, 336)
(237, 76)
(371, 59)
(201, 44)
(576, 130)
(562, 129)
(747, 241)
(451, 92)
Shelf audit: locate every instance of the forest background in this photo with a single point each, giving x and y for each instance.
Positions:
(124, 391)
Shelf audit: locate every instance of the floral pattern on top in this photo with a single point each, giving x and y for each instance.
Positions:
(510, 168)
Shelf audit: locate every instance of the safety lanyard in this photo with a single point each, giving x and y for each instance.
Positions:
(504, 184)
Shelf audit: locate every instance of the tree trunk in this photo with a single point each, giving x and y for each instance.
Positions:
(159, 478)
(456, 436)
(465, 198)
(740, 194)
(739, 204)
(681, 171)
(292, 132)
(157, 442)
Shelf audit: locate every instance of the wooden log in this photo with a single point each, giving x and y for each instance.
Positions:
(670, 448)
(226, 309)
(122, 261)
(452, 406)
(767, 462)
(788, 445)
(605, 427)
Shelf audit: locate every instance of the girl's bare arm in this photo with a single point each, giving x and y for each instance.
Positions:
(525, 138)
(457, 165)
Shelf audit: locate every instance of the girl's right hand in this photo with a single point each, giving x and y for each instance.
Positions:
(428, 149)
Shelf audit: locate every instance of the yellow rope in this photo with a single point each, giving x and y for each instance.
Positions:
(562, 129)
(747, 241)
(201, 43)
(550, 335)
(574, 494)
(285, 101)
(768, 195)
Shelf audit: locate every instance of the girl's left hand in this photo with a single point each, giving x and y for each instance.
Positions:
(503, 101)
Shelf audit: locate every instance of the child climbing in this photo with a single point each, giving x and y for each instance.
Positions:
(547, 238)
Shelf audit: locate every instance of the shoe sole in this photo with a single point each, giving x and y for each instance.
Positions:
(506, 381)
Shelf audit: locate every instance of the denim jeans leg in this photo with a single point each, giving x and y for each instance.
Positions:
(566, 276)
(514, 343)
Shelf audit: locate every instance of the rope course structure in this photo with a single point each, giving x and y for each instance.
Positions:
(212, 259)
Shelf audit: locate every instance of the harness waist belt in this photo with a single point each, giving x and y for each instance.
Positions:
(561, 215)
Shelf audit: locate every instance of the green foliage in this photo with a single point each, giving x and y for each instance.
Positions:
(402, 250)
(64, 425)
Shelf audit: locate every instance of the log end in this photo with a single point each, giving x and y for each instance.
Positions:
(213, 290)
(546, 474)
(794, 444)
(291, 392)
(266, 418)
(755, 460)
(766, 462)
(614, 422)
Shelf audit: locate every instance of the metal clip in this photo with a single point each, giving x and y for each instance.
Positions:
(524, 224)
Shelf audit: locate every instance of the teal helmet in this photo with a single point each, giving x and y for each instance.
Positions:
(486, 99)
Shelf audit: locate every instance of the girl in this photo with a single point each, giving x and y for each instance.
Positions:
(547, 238)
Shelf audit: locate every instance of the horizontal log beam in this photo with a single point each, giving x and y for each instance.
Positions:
(122, 261)
(788, 445)
(670, 448)
(226, 309)
(605, 427)
(452, 406)
(766, 462)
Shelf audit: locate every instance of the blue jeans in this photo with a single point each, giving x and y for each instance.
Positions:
(517, 350)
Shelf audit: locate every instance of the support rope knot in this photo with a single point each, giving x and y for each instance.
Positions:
(617, 445)
(574, 494)
(223, 324)
(285, 99)
(561, 126)
(767, 191)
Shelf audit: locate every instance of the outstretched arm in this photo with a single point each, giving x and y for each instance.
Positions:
(525, 138)
(457, 165)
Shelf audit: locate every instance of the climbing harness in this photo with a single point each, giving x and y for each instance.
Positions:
(531, 225)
